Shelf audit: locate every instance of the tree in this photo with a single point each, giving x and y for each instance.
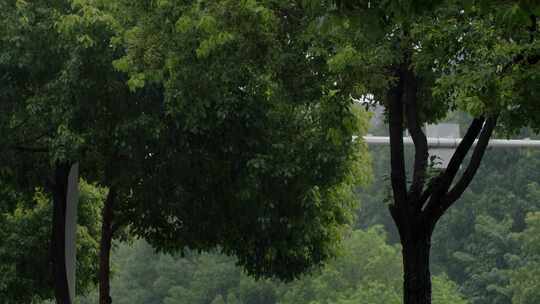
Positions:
(244, 134)
(474, 242)
(37, 98)
(421, 59)
(255, 153)
(66, 103)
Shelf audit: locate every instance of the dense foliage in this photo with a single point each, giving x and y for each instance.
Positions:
(233, 126)
(255, 149)
(221, 134)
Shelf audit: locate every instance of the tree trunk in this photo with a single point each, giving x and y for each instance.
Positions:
(416, 277)
(105, 248)
(58, 254)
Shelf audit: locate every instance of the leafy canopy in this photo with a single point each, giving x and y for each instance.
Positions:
(255, 153)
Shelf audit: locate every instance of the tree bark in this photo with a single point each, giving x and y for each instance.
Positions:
(107, 232)
(58, 237)
(416, 276)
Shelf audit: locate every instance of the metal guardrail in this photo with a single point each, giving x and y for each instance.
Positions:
(436, 142)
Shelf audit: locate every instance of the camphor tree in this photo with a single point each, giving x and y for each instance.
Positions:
(422, 59)
(246, 152)
(37, 97)
(255, 155)
(63, 102)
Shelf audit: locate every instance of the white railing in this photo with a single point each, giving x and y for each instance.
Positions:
(439, 142)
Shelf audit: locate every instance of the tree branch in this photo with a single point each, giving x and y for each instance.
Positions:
(29, 149)
(433, 184)
(533, 28)
(476, 158)
(520, 58)
(417, 134)
(397, 160)
(444, 180)
(474, 163)
(34, 139)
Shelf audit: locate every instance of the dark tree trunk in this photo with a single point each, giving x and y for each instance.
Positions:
(107, 232)
(417, 277)
(416, 209)
(58, 253)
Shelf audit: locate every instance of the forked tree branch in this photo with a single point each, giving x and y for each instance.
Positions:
(474, 163)
(443, 182)
(455, 193)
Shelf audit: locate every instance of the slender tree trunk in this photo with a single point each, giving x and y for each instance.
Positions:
(416, 277)
(105, 248)
(58, 254)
